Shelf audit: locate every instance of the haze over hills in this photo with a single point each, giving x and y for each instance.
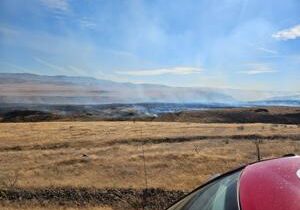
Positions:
(30, 88)
(37, 89)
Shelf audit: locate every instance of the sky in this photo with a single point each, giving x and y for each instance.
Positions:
(240, 44)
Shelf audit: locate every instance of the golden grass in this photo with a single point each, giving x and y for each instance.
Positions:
(105, 154)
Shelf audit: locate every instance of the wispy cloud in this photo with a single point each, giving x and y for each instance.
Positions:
(50, 65)
(66, 70)
(257, 68)
(267, 50)
(262, 48)
(78, 71)
(87, 23)
(60, 6)
(286, 34)
(162, 71)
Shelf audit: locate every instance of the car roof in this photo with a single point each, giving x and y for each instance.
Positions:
(271, 185)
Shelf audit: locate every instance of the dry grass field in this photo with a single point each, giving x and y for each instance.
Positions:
(178, 156)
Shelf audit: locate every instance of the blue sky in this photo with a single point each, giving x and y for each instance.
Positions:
(244, 44)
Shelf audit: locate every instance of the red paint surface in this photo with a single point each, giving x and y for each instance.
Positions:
(271, 185)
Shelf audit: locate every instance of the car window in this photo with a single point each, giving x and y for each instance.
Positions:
(218, 195)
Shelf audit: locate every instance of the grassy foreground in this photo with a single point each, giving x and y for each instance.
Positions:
(98, 155)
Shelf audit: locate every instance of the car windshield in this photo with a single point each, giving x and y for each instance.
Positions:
(219, 195)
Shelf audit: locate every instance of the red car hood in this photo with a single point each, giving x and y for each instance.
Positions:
(271, 185)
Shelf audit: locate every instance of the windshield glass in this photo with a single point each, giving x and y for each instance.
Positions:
(219, 195)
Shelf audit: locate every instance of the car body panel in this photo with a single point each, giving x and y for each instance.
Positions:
(271, 185)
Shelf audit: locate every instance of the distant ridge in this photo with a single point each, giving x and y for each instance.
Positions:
(31, 88)
(26, 88)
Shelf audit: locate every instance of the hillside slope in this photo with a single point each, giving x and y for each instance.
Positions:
(36, 89)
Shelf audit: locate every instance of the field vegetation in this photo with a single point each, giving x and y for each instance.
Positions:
(121, 159)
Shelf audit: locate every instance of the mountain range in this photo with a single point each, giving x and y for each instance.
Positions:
(38, 89)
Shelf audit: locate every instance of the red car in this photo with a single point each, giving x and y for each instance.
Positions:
(266, 185)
